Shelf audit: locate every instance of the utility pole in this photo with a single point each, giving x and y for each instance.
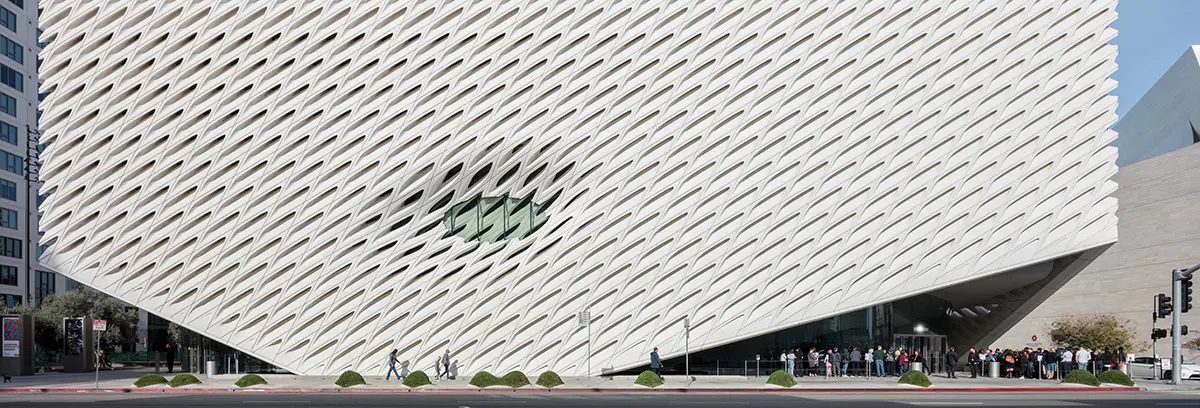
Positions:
(33, 167)
(1179, 279)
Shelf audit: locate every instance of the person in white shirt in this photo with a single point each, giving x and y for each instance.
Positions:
(1082, 357)
(783, 359)
(791, 362)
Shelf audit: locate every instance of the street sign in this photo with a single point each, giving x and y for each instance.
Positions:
(99, 325)
(1035, 337)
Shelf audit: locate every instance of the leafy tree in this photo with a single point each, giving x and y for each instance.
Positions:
(1094, 332)
(48, 319)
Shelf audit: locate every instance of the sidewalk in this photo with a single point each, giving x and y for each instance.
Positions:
(121, 381)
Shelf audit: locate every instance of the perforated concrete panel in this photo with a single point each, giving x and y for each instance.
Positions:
(277, 175)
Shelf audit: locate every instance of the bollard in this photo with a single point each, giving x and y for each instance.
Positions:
(157, 364)
(210, 368)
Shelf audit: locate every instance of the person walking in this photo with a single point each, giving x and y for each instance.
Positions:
(392, 361)
(880, 357)
(170, 358)
(1121, 357)
(446, 364)
(951, 363)
(656, 363)
(973, 361)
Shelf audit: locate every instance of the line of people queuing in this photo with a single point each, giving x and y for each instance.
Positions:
(1054, 363)
(833, 362)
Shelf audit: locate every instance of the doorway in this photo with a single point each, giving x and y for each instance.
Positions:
(932, 347)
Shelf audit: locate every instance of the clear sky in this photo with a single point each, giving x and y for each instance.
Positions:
(1152, 35)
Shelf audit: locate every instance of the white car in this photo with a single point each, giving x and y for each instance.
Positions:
(1143, 367)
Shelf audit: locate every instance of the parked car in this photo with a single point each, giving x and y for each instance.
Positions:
(1144, 367)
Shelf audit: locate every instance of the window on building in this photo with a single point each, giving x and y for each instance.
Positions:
(20, 3)
(8, 19)
(8, 105)
(41, 249)
(8, 218)
(8, 133)
(8, 275)
(11, 247)
(12, 77)
(45, 285)
(11, 301)
(12, 50)
(13, 163)
(8, 190)
(41, 199)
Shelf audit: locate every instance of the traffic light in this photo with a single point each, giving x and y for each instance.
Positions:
(1158, 334)
(1185, 303)
(1164, 305)
(1183, 330)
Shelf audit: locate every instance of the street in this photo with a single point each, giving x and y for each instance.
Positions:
(607, 400)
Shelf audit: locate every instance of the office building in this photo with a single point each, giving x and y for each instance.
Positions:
(22, 278)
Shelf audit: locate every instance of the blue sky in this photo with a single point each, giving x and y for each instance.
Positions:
(1153, 34)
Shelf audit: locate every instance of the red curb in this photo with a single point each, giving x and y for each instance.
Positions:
(556, 391)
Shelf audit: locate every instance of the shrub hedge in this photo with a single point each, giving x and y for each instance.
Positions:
(782, 379)
(250, 380)
(648, 379)
(1114, 377)
(549, 379)
(515, 379)
(184, 379)
(148, 380)
(416, 379)
(916, 378)
(1081, 377)
(349, 379)
(484, 379)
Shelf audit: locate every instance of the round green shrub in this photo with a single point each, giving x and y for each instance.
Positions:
(148, 380)
(349, 379)
(549, 379)
(416, 379)
(250, 380)
(484, 379)
(1114, 377)
(515, 379)
(782, 379)
(648, 379)
(1081, 377)
(916, 378)
(184, 379)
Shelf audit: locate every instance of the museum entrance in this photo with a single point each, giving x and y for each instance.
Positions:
(932, 347)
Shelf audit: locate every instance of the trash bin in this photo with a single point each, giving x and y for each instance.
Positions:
(210, 368)
(916, 367)
(994, 369)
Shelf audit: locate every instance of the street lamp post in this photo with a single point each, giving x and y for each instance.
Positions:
(585, 320)
(687, 334)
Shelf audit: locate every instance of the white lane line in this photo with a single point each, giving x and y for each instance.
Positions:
(944, 404)
(276, 402)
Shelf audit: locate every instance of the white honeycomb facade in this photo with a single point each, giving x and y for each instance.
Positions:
(275, 175)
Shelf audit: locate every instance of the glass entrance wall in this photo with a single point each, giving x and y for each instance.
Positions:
(932, 348)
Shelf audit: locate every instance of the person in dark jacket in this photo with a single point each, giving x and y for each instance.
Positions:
(170, 358)
(973, 361)
(951, 363)
(656, 363)
(836, 360)
(856, 359)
